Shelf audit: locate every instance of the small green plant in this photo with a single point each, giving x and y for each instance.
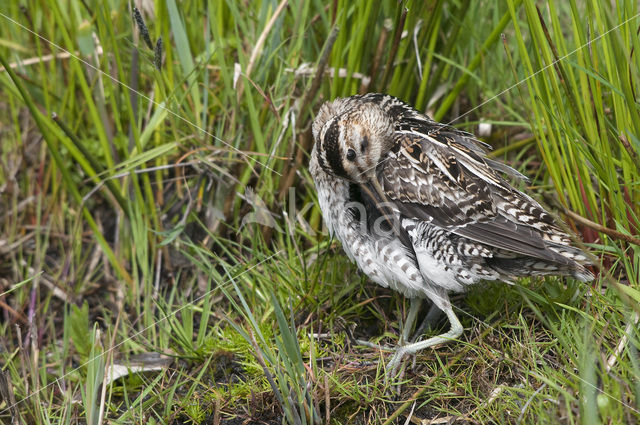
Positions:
(95, 368)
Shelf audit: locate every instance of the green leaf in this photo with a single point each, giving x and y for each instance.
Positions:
(79, 329)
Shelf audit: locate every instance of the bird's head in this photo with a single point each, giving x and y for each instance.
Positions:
(351, 136)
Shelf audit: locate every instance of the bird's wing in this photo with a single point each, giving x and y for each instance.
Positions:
(440, 178)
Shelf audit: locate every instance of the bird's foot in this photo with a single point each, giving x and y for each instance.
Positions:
(414, 347)
(394, 363)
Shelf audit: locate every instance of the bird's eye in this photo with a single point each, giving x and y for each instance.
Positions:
(351, 155)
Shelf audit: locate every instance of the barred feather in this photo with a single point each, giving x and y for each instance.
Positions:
(451, 216)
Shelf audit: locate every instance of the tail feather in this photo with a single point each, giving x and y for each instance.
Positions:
(526, 266)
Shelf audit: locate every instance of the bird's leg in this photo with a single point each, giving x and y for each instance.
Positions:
(454, 332)
(429, 321)
(416, 303)
(406, 328)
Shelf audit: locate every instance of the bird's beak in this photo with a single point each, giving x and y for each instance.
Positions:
(375, 191)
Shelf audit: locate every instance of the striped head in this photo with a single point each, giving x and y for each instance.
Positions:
(350, 137)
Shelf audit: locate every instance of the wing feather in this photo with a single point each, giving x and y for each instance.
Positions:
(435, 178)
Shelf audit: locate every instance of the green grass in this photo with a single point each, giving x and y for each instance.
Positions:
(175, 225)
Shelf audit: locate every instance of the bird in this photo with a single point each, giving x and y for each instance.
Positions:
(421, 208)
